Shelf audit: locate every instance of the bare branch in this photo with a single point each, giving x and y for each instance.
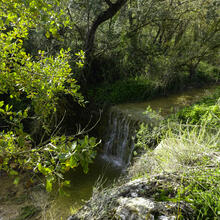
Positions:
(75, 25)
(86, 129)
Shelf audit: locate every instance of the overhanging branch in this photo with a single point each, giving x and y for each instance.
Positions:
(102, 17)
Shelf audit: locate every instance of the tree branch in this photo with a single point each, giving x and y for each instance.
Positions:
(102, 17)
(75, 25)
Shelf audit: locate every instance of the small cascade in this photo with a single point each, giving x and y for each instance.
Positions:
(119, 137)
(121, 121)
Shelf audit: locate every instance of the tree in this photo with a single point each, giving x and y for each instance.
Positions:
(112, 9)
(33, 84)
(171, 37)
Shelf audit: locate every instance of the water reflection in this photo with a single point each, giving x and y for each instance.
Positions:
(167, 104)
(81, 187)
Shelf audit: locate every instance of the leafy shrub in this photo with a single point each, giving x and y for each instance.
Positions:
(207, 72)
(130, 90)
(38, 79)
(207, 110)
(202, 191)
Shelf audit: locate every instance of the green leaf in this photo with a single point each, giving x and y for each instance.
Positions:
(73, 162)
(47, 35)
(40, 168)
(1, 103)
(16, 180)
(49, 185)
(66, 183)
(13, 172)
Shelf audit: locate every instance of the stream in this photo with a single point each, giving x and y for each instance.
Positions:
(120, 124)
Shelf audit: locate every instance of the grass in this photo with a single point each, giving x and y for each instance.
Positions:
(183, 164)
(191, 153)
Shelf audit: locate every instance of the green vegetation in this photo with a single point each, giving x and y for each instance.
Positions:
(188, 148)
(27, 212)
(168, 45)
(111, 52)
(130, 90)
(207, 110)
(36, 81)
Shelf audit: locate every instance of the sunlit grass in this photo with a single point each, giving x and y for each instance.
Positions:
(190, 153)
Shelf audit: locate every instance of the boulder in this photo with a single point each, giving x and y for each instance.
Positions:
(134, 200)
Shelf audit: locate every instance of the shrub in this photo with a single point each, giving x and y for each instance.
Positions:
(207, 110)
(207, 72)
(129, 90)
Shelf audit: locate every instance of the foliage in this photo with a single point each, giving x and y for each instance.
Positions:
(39, 79)
(28, 212)
(166, 41)
(207, 110)
(150, 135)
(188, 150)
(130, 90)
(171, 47)
(171, 42)
(207, 72)
(202, 191)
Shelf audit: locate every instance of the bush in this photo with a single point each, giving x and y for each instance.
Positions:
(207, 72)
(39, 80)
(207, 110)
(129, 90)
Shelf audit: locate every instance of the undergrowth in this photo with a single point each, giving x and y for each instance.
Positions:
(129, 90)
(181, 162)
(188, 147)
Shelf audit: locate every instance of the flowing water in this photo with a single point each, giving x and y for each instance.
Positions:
(119, 132)
(120, 123)
(123, 120)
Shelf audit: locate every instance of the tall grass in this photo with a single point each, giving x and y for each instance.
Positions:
(192, 154)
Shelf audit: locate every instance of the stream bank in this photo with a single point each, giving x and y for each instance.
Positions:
(134, 200)
(82, 184)
(179, 179)
(28, 200)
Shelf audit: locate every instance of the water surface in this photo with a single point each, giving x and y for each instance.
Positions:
(167, 104)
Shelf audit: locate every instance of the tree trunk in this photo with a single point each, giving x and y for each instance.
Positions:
(102, 17)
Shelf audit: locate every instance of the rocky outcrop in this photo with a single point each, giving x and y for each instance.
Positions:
(136, 200)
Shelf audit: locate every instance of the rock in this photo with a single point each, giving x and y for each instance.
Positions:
(134, 195)
(134, 200)
(139, 208)
(162, 217)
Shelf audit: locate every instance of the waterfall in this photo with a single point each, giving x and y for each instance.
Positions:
(119, 137)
